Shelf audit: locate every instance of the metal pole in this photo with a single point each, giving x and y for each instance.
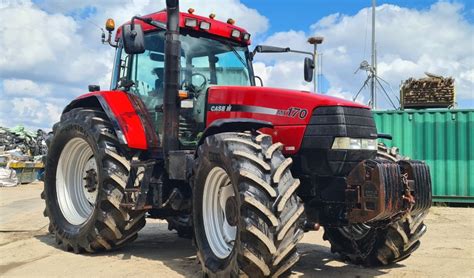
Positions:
(320, 75)
(373, 95)
(315, 59)
(315, 41)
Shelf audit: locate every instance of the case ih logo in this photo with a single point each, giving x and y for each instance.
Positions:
(221, 108)
(292, 112)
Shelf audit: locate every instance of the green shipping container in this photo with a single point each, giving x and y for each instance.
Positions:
(444, 139)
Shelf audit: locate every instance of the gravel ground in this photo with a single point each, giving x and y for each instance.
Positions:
(26, 249)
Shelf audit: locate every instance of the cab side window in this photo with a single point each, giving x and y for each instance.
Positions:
(147, 71)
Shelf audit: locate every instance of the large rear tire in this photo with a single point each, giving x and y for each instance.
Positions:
(86, 172)
(370, 246)
(246, 215)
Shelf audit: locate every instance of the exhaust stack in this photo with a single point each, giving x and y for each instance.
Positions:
(172, 68)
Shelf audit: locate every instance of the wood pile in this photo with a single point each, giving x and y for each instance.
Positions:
(433, 91)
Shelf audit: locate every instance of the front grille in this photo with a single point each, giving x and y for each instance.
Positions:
(337, 121)
(326, 123)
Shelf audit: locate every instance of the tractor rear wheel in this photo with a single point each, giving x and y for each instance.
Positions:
(86, 172)
(246, 215)
(182, 224)
(371, 246)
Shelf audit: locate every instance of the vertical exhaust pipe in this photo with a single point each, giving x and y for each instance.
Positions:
(172, 68)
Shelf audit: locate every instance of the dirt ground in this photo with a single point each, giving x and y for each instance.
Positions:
(26, 248)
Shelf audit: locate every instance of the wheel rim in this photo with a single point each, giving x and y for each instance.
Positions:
(217, 201)
(356, 231)
(76, 181)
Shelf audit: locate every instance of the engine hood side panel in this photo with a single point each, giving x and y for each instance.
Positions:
(289, 111)
(279, 106)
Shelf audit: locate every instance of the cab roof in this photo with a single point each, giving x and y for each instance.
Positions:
(218, 28)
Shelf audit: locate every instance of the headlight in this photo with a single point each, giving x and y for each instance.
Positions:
(347, 143)
(235, 34)
(205, 25)
(190, 22)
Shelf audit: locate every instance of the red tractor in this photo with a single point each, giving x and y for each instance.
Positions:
(185, 135)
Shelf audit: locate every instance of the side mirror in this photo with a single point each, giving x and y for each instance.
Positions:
(133, 39)
(308, 69)
(271, 49)
(268, 49)
(94, 88)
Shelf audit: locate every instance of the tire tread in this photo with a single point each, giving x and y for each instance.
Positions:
(114, 225)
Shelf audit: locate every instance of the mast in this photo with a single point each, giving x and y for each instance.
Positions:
(373, 95)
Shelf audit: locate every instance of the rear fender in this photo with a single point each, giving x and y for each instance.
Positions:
(128, 115)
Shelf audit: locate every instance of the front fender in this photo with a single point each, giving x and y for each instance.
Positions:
(233, 125)
(127, 113)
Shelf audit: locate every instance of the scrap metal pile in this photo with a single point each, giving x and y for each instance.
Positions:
(27, 142)
(21, 155)
(433, 91)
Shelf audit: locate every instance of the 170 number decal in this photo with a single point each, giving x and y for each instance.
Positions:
(293, 112)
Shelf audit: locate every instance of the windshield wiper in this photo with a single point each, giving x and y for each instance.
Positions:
(236, 54)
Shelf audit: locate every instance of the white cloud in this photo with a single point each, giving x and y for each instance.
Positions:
(282, 74)
(25, 87)
(43, 64)
(45, 47)
(30, 112)
(72, 5)
(409, 42)
(295, 40)
(340, 93)
(122, 10)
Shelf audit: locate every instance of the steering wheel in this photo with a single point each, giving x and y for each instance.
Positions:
(193, 87)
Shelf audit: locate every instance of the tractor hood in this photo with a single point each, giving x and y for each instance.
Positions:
(278, 106)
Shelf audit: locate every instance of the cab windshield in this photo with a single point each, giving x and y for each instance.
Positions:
(204, 62)
(221, 62)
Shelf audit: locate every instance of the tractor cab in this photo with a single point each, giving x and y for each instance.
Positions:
(212, 53)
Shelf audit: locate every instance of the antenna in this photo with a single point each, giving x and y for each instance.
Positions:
(371, 70)
(373, 89)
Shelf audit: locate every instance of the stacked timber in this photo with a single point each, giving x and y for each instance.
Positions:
(433, 91)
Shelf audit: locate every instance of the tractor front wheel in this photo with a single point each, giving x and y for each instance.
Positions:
(246, 214)
(373, 246)
(85, 178)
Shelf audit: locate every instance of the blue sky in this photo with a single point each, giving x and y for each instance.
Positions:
(43, 70)
(298, 14)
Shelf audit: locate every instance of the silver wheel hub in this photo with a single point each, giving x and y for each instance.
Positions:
(77, 181)
(90, 177)
(219, 212)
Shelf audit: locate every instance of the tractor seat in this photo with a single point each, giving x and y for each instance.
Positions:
(154, 97)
